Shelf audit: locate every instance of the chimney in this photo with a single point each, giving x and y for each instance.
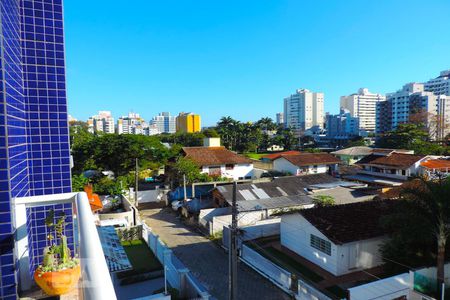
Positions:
(211, 142)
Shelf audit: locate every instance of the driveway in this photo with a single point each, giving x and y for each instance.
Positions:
(207, 261)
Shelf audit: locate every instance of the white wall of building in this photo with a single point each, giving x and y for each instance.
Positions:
(303, 110)
(295, 234)
(283, 165)
(239, 171)
(363, 105)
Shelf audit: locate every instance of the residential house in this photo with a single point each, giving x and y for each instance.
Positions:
(279, 187)
(340, 239)
(388, 168)
(216, 160)
(434, 168)
(307, 163)
(352, 154)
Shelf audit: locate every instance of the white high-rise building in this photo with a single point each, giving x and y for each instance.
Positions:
(362, 105)
(103, 122)
(303, 110)
(439, 85)
(280, 118)
(164, 122)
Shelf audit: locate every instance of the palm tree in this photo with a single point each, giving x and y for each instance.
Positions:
(431, 201)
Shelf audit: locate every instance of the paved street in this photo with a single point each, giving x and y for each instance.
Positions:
(207, 261)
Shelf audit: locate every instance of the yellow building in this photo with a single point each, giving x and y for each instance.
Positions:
(188, 122)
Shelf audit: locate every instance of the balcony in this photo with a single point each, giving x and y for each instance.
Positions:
(30, 240)
(135, 271)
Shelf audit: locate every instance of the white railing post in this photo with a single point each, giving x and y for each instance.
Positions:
(97, 284)
(22, 246)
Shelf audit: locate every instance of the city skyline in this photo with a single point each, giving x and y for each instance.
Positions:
(242, 59)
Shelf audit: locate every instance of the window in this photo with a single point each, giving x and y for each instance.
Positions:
(320, 244)
(229, 166)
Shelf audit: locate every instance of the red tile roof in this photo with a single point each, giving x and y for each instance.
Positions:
(436, 164)
(308, 159)
(396, 160)
(213, 156)
(350, 222)
(274, 156)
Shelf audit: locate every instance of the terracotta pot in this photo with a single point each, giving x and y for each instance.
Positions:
(58, 282)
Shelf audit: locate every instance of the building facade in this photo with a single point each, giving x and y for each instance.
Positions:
(362, 105)
(134, 124)
(103, 122)
(303, 110)
(164, 122)
(280, 118)
(342, 126)
(188, 122)
(413, 104)
(34, 134)
(439, 85)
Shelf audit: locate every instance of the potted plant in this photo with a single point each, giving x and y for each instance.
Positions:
(59, 272)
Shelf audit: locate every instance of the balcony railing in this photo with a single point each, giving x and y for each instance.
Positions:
(93, 283)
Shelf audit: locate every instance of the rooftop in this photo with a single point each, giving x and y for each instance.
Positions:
(273, 203)
(436, 164)
(307, 159)
(350, 222)
(363, 150)
(274, 156)
(210, 156)
(282, 186)
(396, 160)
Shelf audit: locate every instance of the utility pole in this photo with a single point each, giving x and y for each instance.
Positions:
(184, 188)
(232, 250)
(136, 183)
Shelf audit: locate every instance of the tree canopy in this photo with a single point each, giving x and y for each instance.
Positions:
(412, 136)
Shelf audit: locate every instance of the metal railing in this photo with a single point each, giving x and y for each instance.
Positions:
(93, 284)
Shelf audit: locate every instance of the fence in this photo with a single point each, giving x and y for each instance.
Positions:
(265, 267)
(177, 274)
(307, 292)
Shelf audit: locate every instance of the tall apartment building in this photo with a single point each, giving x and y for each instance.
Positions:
(363, 106)
(188, 122)
(440, 85)
(280, 118)
(102, 122)
(413, 104)
(303, 110)
(34, 134)
(164, 122)
(342, 126)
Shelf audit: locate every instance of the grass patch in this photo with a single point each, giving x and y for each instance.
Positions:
(132, 243)
(141, 258)
(288, 263)
(337, 291)
(254, 155)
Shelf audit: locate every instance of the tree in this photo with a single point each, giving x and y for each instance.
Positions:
(266, 124)
(286, 138)
(420, 225)
(411, 136)
(78, 182)
(185, 166)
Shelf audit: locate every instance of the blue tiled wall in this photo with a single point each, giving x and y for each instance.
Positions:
(34, 137)
(37, 231)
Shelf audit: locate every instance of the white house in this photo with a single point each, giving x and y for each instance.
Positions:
(340, 239)
(306, 163)
(388, 168)
(216, 160)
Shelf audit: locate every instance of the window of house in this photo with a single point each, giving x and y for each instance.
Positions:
(403, 172)
(229, 166)
(320, 244)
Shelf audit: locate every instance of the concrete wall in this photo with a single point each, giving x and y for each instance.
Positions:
(384, 289)
(295, 234)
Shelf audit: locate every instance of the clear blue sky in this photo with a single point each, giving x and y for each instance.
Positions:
(240, 58)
